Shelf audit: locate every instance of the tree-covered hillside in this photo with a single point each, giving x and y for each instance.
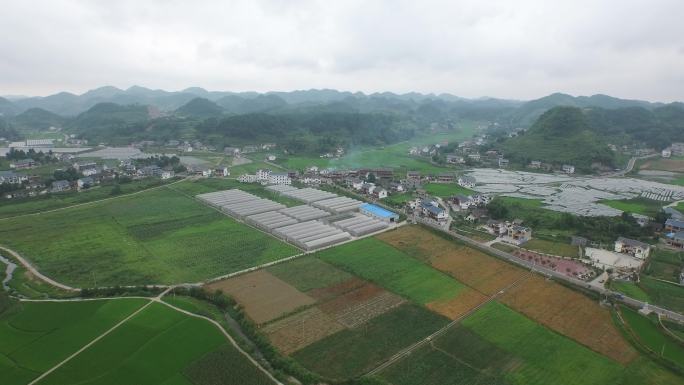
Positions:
(561, 135)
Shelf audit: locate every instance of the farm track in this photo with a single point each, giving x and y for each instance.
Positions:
(157, 299)
(95, 201)
(427, 340)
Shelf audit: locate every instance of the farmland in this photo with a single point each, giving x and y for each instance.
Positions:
(473, 268)
(557, 307)
(60, 200)
(158, 345)
(445, 190)
(390, 268)
(496, 345)
(553, 248)
(630, 289)
(155, 237)
(653, 337)
(641, 206)
(354, 351)
(37, 335)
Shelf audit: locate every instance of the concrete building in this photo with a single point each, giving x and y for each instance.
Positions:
(568, 169)
(674, 225)
(433, 211)
(11, 177)
(666, 153)
(632, 247)
(676, 240)
(279, 178)
(466, 181)
(262, 175)
(247, 178)
(22, 164)
(60, 185)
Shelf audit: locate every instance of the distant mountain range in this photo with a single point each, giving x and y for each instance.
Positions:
(319, 120)
(68, 104)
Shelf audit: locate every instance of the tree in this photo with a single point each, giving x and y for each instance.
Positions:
(370, 178)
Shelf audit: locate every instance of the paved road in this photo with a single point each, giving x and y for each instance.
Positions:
(560, 276)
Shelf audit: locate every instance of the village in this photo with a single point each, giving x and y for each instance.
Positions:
(78, 168)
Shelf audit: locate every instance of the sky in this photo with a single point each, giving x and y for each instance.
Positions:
(521, 49)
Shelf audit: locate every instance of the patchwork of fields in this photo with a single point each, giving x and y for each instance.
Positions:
(156, 237)
(356, 305)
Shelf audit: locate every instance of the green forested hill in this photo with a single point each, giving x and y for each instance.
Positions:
(561, 135)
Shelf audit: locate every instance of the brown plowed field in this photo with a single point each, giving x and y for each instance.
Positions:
(263, 296)
(361, 305)
(301, 329)
(456, 307)
(471, 267)
(336, 290)
(571, 314)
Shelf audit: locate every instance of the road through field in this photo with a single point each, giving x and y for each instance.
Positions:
(95, 201)
(157, 299)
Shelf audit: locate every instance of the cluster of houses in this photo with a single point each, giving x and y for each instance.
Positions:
(249, 149)
(509, 232)
(675, 149)
(674, 228)
(539, 165)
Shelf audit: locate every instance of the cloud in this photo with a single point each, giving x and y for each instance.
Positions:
(522, 49)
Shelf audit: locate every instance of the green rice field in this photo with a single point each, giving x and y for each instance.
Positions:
(497, 345)
(156, 237)
(650, 334)
(37, 335)
(445, 190)
(159, 346)
(388, 267)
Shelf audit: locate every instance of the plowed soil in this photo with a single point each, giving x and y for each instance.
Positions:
(263, 296)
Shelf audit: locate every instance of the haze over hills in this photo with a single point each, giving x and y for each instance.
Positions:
(319, 120)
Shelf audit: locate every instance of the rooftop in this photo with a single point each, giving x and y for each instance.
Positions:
(632, 242)
(378, 211)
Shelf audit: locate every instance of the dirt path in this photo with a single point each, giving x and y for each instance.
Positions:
(101, 336)
(27, 265)
(157, 299)
(93, 202)
(427, 340)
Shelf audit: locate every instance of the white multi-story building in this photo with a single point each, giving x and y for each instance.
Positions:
(279, 178)
(262, 175)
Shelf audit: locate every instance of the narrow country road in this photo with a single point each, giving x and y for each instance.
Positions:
(157, 299)
(27, 265)
(95, 201)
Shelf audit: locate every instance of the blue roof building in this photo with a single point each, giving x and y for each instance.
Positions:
(378, 212)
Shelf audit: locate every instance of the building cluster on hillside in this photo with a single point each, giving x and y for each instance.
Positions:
(675, 149)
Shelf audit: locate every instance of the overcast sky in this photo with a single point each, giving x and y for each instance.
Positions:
(520, 49)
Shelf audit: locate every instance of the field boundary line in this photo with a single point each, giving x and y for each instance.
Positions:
(93, 202)
(91, 343)
(225, 333)
(410, 349)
